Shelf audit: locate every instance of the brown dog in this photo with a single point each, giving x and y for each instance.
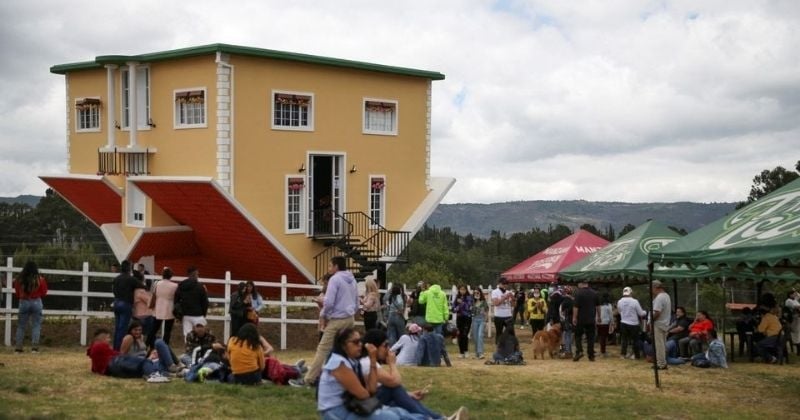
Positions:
(547, 340)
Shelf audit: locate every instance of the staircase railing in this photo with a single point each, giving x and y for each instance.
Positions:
(322, 259)
(386, 243)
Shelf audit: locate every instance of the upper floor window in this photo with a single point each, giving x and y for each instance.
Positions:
(135, 205)
(294, 204)
(87, 114)
(377, 201)
(142, 97)
(292, 111)
(190, 108)
(380, 116)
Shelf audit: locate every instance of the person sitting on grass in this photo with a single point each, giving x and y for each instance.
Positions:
(714, 356)
(277, 372)
(508, 352)
(769, 328)
(406, 347)
(246, 355)
(431, 349)
(198, 342)
(342, 375)
(107, 361)
(133, 344)
(390, 384)
(211, 365)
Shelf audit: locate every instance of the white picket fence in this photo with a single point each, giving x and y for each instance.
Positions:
(84, 314)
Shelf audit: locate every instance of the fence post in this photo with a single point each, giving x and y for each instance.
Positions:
(84, 302)
(283, 311)
(9, 279)
(227, 316)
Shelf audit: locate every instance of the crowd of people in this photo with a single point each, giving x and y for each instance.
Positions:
(357, 372)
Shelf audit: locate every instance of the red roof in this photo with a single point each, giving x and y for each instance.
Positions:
(222, 237)
(98, 200)
(544, 266)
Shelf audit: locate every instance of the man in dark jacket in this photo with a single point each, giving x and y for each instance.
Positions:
(123, 288)
(192, 299)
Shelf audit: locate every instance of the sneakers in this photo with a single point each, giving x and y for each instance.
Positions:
(480, 356)
(460, 414)
(174, 369)
(202, 373)
(462, 356)
(632, 357)
(35, 350)
(157, 378)
(18, 351)
(301, 364)
(297, 383)
(577, 357)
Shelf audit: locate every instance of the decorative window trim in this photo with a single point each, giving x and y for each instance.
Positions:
(189, 95)
(148, 104)
(295, 184)
(85, 104)
(383, 103)
(304, 96)
(377, 185)
(140, 218)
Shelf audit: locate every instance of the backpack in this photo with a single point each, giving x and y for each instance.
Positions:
(701, 363)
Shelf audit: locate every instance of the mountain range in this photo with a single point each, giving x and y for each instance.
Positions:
(522, 216)
(31, 200)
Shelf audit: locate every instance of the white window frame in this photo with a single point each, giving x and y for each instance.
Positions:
(382, 200)
(395, 121)
(135, 200)
(99, 107)
(301, 196)
(143, 100)
(310, 119)
(177, 112)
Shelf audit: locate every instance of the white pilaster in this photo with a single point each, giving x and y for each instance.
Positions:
(224, 122)
(111, 106)
(428, 138)
(133, 107)
(68, 108)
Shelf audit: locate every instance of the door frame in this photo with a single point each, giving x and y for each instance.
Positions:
(342, 207)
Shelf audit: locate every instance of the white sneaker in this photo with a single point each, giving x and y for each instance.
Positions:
(460, 414)
(462, 356)
(157, 378)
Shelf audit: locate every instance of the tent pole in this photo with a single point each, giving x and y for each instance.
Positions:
(652, 327)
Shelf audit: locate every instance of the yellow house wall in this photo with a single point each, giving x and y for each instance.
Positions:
(83, 145)
(263, 156)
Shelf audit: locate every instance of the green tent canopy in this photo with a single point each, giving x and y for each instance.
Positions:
(625, 260)
(761, 240)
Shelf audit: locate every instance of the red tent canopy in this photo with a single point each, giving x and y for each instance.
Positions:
(544, 266)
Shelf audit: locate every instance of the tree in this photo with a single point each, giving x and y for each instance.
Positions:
(768, 181)
(626, 229)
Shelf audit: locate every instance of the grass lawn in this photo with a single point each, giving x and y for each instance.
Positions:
(57, 383)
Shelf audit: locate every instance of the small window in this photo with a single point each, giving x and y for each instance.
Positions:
(292, 111)
(294, 204)
(377, 201)
(87, 114)
(190, 108)
(380, 116)
(136, 206)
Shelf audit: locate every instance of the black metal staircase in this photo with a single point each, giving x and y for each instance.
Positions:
(365, 244)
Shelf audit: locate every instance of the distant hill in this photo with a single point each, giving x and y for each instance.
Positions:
(31, 200)
(522, 216)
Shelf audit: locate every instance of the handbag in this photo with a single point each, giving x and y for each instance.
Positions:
(357, 406)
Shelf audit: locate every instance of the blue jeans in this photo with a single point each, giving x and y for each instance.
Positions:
(123, 311)
(29, 309)
(398, 397)
(164, 360)
(384, 413)
(395, 327)
(477, 334)
(437, 328)
(148, 324)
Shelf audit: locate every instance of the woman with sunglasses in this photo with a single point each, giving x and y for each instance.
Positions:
(343, 374)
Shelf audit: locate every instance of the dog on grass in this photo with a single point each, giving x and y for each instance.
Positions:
(547, 340)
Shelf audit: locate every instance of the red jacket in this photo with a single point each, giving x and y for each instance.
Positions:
(40, 292)
(700, 328)
(101, 354)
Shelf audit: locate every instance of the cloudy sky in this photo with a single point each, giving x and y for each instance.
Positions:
(544, 100)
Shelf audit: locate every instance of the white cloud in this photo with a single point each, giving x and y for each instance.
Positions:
(617, 100)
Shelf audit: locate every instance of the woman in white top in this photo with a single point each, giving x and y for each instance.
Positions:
(605, 322)
(406, 346)
(370, 303)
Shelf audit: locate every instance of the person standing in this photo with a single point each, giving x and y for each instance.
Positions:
(792, 309)
(462, 307)
(502, 299)
(605, 322)
(30, 288)
(192, 299)
(141, 307)
(631, 313)
(339, 307)
(370, 304)
(536, 308)
(437, 309)
(395, 308)
(519, 307)
(162, 304)
(417, 312)
(585, 314)
(480, 310)
(662, 312)
(123, 288)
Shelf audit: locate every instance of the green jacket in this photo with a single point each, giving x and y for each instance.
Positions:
(437, 311)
